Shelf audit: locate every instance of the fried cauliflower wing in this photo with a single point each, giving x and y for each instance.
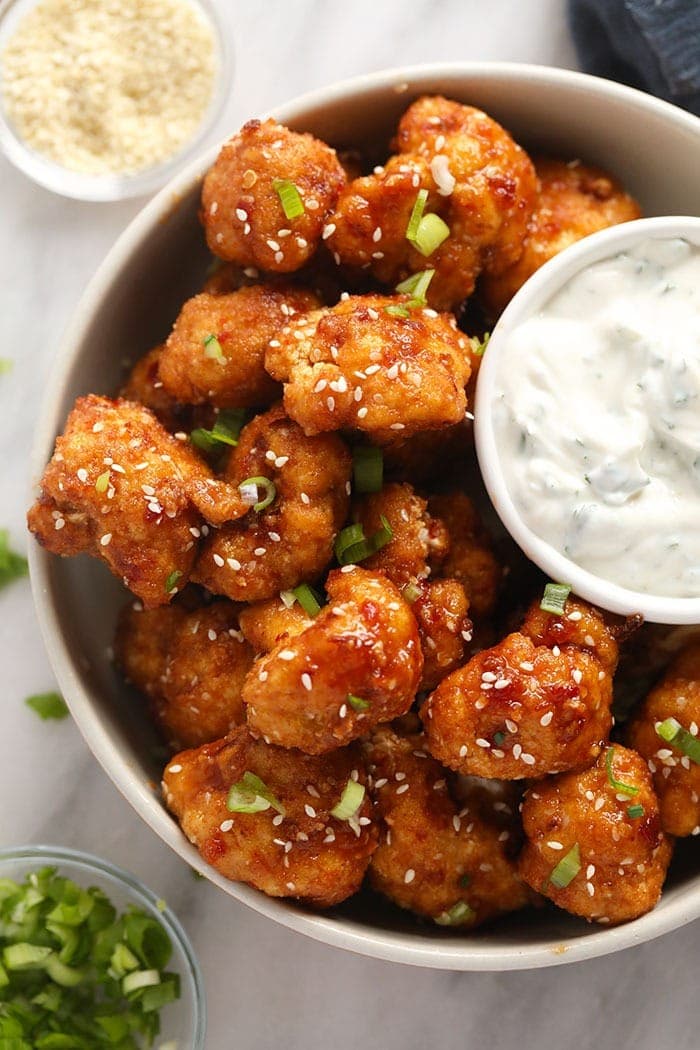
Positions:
(267, 624)
(470, 558)
(145, 386)
(441, 611)
(294, 848)
(419, 541)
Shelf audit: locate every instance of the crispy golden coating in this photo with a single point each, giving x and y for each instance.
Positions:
(232, 375)
(305, 853)
(445, 628)
(419, 542)
(358, 664)
(290, 541)
(356, 365)
(470, 558)
(437, 857)
(676, 777)
(623, 859)
(268, 624)
(581, 625)
(144, 385)
(121, 488)
(190, 664)
(429, 455)
(241, 210)
(479, 181)
(575, 199)
(522, 709)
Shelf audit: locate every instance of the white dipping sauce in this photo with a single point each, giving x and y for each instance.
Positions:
(597, 419)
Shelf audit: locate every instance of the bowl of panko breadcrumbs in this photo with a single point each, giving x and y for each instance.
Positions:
(302, 646)
(101, 101)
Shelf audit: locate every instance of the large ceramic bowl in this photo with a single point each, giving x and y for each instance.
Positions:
(130, 304)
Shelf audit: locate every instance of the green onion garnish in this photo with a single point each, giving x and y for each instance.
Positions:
(416, 286)
(397, 310)
(307, 599)
(170, 583)
(416, 215)
(357, 703)
(554, 598)
(212, 348)
(252, 795)
(226, 430)
(102, 483)
(411, 593)
(350, 801)
(635, 811)
(619, 785)
(459, 914)
(48, 705)
(464, 880)
(368, 468)
(499, 737)
(6, 365)
(432, 231)
(12, 566)
(249, 492)
(290, 198)
(673, 733)
(479, 345)
(567, 869)
(352, 546)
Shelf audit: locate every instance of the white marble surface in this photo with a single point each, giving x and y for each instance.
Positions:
(265, 985)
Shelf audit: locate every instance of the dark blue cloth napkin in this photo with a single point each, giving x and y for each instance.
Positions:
(651, 44)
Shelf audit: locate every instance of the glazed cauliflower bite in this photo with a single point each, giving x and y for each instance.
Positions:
(301, 852)
(190, 664)
(267, 624)
(676, 776)
(358, 664)
(441, 609)
(144, 385)
(242, 212)
(437, 857)
(357, 365)
(470, 558)
(479, 181)
(291, 540)
(215, 352)
(120, 487)
(523, 708)
(575, 200)
(587, 845)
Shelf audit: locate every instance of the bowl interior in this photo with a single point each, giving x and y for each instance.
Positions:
(129, 307)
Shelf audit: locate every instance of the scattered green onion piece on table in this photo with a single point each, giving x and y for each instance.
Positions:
(212, 348)
(554, 598)
(636, 811)
(171, 582)
(290, 198)
(619, 785)
(6, 365)
(479, 345)
(368, 468)
(673, 733)
(249, 492)
(416, 215)
(350, 801)
(357, 703)
(102, 483)
(567, 869)
(252, 795)
(411, 593)
(459, 914)
(48, 705)
(307, 599)
(12, 566)
(416, 286)
(432, 231)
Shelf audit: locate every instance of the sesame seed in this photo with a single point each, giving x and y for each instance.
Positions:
(306, 681)
(330, 401)
(577, 675)
(456, 823)
(259, 551)
(212, 635)
(517, 751)
(590, 888)
(512, 727)
(546, 718)
(59, 524)
(599, 803)
(463, 751)
(362, 412)
(106, 539)
(590, 871)
(286, 654)
(226, 826)
(273, 246)
(409, 875)
(480, 742)
(82, 474)
(527, 666)
(218, 560)
(342, 710)
(489, 676)
(277, 820)
(553, 844)
(176, 768)
(528, 759)
(556, 651)
(502, 683)
(241, 215)
(233, 563)
(400, 790)
(309, 810)
(575, 616)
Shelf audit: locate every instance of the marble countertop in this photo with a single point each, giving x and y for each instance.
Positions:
(266, 985)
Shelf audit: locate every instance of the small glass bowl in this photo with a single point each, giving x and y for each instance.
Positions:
(182, 1022)
(108, 187)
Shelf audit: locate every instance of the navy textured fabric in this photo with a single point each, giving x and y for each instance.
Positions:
(650, 44)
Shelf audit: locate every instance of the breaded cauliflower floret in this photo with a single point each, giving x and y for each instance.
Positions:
(293, 848)
(479, 181)
(358, 664)
(470, 558)
(616, 856)
(419, 541)
(267, 624)
(676, 775)
(441, 610)
(291, 540)
(437, 857)
(575, 200)
(580, 625)
(242, 212)
(216, 350)
(429, 456)
(521, 709)
(358, 365)
(190, 664)
(120, 487)
(144, 385)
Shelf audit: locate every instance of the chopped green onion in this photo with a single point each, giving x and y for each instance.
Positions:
(397, 310)
(25, 956)
(252, 795)
(102, 483)
(479, 345)
(170, 583)
(48, 705)
(416, 215)
(249, 492)
(432, 231)
(416, 286)
(307, 599)
(212, 348)
(635, 811)
(287, 598)
(352, 546)
(498, 738)
(411, 593)
(12, 566)
(619, 785)
(465, 880)
(350, 801)
(290, 198)
(6, 365)
(458, 915)
(567, 869)
(368, 468)
(673, 733)
(554, 598)
(357, 703)
(226, 430)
